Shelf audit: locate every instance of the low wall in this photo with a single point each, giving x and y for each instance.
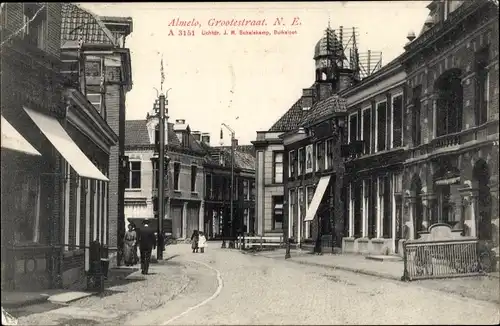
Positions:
(367, 246)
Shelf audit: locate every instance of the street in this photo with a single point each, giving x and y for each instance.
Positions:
(228, 287)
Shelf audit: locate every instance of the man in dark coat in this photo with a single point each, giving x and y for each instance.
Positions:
(147, 242)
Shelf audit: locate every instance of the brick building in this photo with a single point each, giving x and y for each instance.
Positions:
(107, 67)
(451, 110)
(52, 207)
(185, 179)
(423, 141)
(217, 169)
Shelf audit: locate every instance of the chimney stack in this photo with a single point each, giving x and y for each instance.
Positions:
(205, 138)
(307, 98)
(180, 121)
(235, 142)
(196, 135)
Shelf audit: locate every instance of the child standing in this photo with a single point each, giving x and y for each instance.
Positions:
(194, 241)
(202, 242)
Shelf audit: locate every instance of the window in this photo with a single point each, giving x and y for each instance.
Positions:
(208, 186)
(416, 128)
(194, 171)
(155, 173)
(277, 214)
(291, 164)
(246, 220)
(320, 155)
(35, 30)
(25, 202)
(309, 158)
(397, 121)
(95, 100)
(302, 161)
(134, 175)
(366, 129)
(177, 171)
(353, 127)
(449, 102)
(482, 86)
(309, 197)
(252, 190)
(246, 190)
(329, 154)
(302, 206)
(381, 126)
(278, 167)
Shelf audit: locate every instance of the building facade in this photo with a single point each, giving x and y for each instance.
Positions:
(218, 223)
(420, 143)
(57, 199)
(451, 110)
(99, 42)
(184, 200)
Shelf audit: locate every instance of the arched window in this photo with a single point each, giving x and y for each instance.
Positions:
(449, 102)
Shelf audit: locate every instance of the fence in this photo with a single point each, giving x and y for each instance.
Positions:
(441, 259)
(259, 241)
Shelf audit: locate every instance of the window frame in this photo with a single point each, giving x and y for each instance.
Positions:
(246, 189)
(301, 161)
(95, 103)
(41, 25)
(377, 126)
(393, 97)
(275, 202)
(349, 126)
(177, 176)
(291, 164)
(416, 117)
(194, 176)
(131, 173)
(367, 145)
(275, 164)
(482, 82)
(309, 148)
(319, 148)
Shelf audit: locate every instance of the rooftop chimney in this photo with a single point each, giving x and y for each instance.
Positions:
(205, 138)
(235, 142)
(180, 121)
(307, 98)
(411, 36)
(196, 135)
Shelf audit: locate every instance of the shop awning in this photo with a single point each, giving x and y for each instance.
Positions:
(318, 196)
(12, 139)
(56, 134)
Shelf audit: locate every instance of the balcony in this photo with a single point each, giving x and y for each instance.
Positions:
(460, 140)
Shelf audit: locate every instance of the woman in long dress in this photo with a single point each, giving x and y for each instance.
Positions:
(130, 250)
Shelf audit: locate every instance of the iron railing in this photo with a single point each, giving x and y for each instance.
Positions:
(441, 259)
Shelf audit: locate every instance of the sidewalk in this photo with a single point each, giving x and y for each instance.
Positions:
(486, 288)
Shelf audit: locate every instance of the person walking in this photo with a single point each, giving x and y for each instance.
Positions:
(130, 246)
(194, 241)
(202, 242)
(147, 242)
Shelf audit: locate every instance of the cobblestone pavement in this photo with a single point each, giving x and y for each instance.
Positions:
(137, 294)
(259, 290)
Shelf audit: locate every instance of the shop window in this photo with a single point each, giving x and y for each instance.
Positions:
(24, 201)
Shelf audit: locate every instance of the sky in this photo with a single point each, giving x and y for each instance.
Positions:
(245, 81)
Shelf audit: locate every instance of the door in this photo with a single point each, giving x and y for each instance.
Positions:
(176, 216)
(193, 210)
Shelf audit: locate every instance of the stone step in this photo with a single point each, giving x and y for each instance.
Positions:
(384, 258)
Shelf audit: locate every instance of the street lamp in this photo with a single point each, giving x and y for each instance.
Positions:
(162, 111)
(232, 178)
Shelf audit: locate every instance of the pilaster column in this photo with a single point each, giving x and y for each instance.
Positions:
(428, 202)
(410, 224)
(184, 220)
(469, 207)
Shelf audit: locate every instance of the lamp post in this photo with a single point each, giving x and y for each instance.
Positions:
(231, 188)
(161, 172)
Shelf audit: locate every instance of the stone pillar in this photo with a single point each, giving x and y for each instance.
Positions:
(201, 223)
(431, 209)
(494, 214)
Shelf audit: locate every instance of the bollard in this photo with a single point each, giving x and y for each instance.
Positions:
(287, 253)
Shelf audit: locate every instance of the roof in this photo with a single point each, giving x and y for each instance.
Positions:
(324, 108)
(77, 21)
(136, 134)
(291, 119)
(242, 160)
